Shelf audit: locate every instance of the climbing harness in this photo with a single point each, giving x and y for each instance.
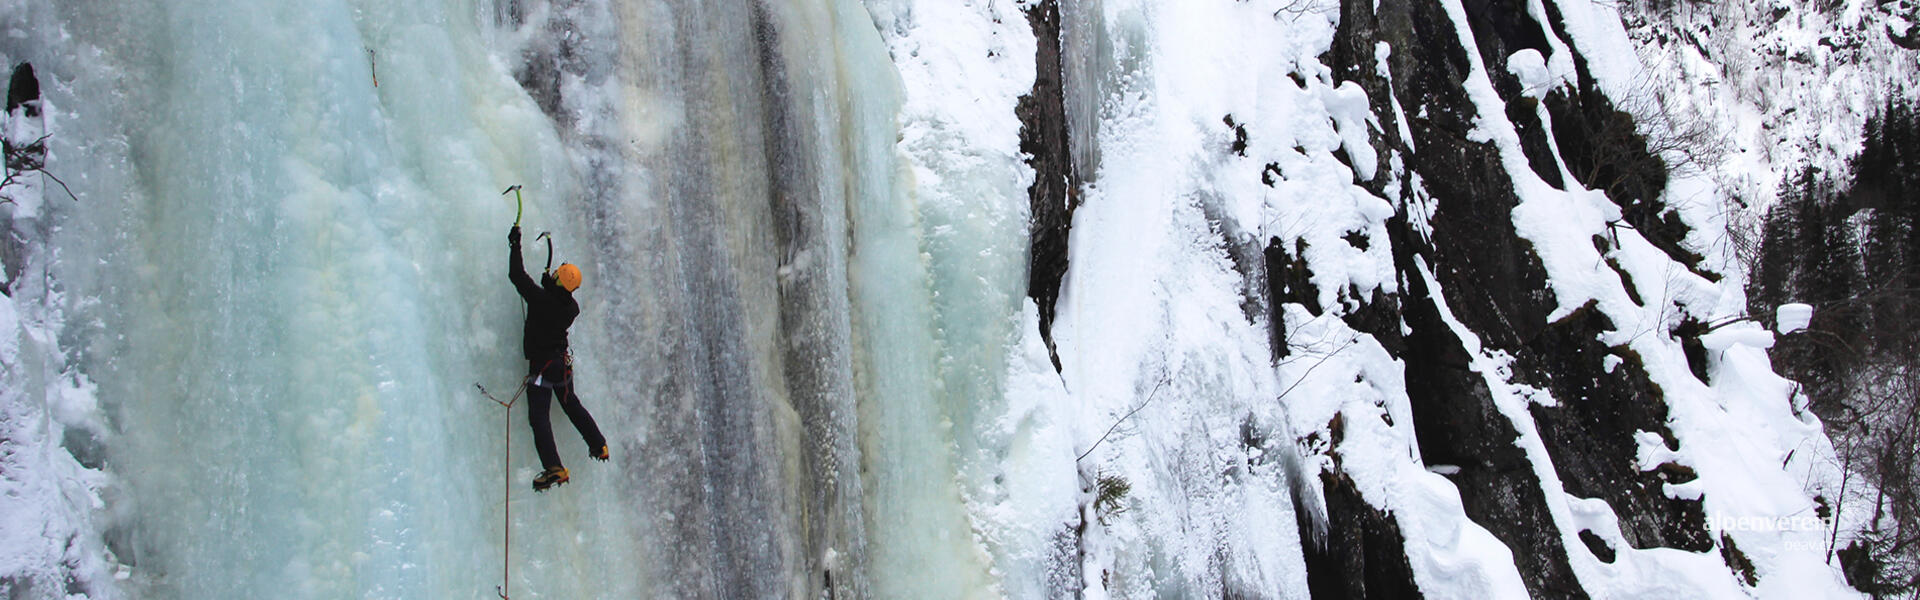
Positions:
(539, 379)
(506, 504)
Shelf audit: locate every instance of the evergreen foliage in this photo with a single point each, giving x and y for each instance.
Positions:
(1849, 244)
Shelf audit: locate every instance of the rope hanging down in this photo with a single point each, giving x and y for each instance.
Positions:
(1116, 424)
(506, 451)
(506, 476)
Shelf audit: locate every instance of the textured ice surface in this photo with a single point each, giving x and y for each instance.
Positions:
(804, 231)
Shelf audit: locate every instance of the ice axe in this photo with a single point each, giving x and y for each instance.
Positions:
(548, 236)
(518, 204)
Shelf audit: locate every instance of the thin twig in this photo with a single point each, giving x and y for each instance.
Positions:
(1123, 419)
(21, 160)
(1323, 360)
(63, 184)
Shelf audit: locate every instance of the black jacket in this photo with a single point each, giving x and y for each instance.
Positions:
(550, 311)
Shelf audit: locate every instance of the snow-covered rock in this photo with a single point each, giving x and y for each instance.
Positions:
(1791, 317)
(1293, 298)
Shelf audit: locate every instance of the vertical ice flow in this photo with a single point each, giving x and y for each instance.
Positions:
(306, 279)
(306, 285)
(301, 279)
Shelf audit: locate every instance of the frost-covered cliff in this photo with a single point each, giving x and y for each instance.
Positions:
(922, 298)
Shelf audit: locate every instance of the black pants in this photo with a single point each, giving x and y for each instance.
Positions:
(547, 380)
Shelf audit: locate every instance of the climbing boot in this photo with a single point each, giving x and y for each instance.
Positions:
(549, 478)
(599, 454)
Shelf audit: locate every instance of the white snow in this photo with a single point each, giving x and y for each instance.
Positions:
(53, 511)
(1727, 337)
(1531, 69)
(1560, 225)
(284, 266)
(1792, 317)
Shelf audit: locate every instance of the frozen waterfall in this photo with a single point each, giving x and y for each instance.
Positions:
(1328, 310)
(297, 250)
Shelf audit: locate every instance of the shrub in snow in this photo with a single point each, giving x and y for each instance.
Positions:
(1112, 489)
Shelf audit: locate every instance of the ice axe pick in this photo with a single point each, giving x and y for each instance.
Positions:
(518, 204)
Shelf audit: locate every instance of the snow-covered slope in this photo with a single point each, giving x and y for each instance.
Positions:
(1483, 360)
(1778, 84)
(922, 298)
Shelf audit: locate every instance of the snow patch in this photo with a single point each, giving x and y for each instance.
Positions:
(1728, 337)
(1792, 317)
(1531, 69)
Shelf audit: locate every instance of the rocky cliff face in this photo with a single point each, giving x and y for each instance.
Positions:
(1493, 283)
(1553, 278)
(923, 298)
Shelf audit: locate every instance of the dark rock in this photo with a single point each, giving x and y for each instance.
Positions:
(1496, 287)
(1738, 561)
(1379, 316)
(1860, 567)
(1291, 278)
(1605, 151)
(1522, 111)
(1366, 557)
(1288, 281)
(1590, 434)
(1055, 190)
(1239, 146)
(1356, 239)
(1455, 422)
(22, 89)
(1675, 472)
(1500, 28)
(1910, 41)
(1601, 244)
(1492, 282)
(1689, 332)
(1597, 546)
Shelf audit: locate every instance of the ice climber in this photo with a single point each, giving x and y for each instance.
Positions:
(550, 311)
